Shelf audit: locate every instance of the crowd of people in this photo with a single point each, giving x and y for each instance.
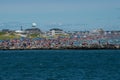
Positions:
(61, 42)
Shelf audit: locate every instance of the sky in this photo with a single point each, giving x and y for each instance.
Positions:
(93, 13)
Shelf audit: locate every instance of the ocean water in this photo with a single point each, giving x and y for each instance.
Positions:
(60, 65)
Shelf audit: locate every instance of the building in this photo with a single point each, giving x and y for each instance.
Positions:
(98, 32)
(56, 31)
(107, 32)
(33, 30)
(5, 30)
(115, 32)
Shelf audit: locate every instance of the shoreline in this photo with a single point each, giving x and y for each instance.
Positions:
(66, 49)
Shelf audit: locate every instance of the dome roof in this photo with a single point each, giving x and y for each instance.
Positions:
(34, 24)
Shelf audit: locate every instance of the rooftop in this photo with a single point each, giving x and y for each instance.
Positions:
(56, 29)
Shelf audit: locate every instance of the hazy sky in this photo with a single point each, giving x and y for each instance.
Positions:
(90, 12)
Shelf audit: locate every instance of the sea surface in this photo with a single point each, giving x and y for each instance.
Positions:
(60, 65)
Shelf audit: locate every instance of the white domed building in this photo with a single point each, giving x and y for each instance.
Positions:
(34, 29)
(34, 25)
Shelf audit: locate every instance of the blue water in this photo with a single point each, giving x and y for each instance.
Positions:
(60, 65)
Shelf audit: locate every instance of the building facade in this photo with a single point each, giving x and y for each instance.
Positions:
(56, 31)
